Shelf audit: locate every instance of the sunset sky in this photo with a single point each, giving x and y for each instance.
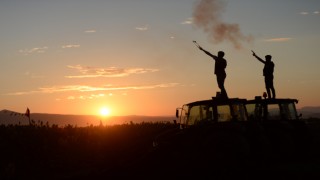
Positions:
(136, 57)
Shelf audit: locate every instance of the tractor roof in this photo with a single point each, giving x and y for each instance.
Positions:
(258, 99)
(218, 101)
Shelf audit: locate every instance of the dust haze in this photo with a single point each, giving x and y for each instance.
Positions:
(207, 16)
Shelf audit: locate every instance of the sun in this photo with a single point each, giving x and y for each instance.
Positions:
(104, 111)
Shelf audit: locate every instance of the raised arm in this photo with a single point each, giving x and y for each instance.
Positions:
(208, 53)
(261, 60)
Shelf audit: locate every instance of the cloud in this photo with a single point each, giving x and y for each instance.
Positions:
(142, 28)
(33, 50)
(33, 75)
(70, 46)
(71, 98)
(93, 72)
(277, 39)
(90, 31)
(124, 94)
(84, 88)
(57, 89)
(304, 13)
(91, 96)
(187, 21)
(307, 13)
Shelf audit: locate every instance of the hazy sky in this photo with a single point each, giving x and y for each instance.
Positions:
(136, 57)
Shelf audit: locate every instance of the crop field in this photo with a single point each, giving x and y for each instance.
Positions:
(43, 152)
(100, 152)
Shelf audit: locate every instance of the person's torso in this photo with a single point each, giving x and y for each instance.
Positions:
(220, 65)
(268, 69)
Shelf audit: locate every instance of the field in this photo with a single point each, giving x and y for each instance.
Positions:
(100, 152)
(43, 152)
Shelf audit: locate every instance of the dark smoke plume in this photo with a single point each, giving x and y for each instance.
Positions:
(207, 16)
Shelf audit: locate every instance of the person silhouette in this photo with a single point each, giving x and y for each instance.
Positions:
(268, 74)
(219, 70)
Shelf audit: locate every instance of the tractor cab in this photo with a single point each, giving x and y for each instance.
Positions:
(212, 111)
(272, 109)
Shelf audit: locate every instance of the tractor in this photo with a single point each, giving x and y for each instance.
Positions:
(230, 136)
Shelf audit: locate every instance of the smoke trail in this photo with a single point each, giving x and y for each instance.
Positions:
(207, 16)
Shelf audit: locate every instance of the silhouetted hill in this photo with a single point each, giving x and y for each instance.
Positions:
(310, 112)
(11, 117)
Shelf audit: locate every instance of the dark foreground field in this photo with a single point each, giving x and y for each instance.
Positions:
(126, 151)
(40, 152)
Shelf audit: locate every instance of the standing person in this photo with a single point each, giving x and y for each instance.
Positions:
(268, 74)
(219, 69)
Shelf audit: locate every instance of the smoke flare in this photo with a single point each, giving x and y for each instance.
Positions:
(207, 16)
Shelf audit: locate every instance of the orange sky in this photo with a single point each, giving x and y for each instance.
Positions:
(137, 57)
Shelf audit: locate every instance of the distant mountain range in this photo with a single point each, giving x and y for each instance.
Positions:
(11, 117)
(309, 112)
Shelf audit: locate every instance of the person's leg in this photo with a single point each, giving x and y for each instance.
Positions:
(267, 83)
(273, 93)
(269, 93)
(221, 79)
(273, 90)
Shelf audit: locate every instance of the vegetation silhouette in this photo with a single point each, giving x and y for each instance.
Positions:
(52, 152)
(41, 151)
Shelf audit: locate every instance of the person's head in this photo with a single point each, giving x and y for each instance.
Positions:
(220, 54)
(268, 57)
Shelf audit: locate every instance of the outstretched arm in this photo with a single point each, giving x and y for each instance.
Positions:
(208, 53)
(261, 60)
